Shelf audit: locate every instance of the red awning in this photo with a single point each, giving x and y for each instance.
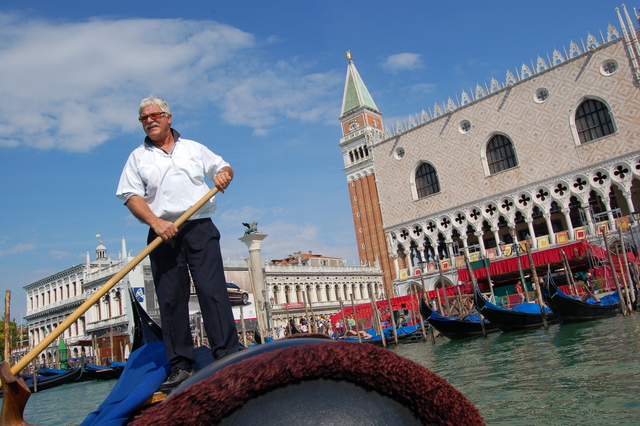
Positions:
(539, 258)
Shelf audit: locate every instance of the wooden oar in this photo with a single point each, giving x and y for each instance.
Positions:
(95, 297)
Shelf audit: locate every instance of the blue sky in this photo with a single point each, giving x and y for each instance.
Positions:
(259, 82)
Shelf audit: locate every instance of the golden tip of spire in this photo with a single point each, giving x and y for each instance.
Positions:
(348, 54)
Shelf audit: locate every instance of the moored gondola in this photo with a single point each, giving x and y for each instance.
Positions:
(570, 309)
(455, 328)
(520, 317)
(52, 380)
(101, 372)
(406, 334)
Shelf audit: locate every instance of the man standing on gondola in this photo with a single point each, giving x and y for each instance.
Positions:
(161, 180)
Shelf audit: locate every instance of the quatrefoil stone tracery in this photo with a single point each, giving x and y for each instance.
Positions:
(621, 172)
(560, 189)
(580, 184)
(599, 178)
(542, 194)
(524, 200)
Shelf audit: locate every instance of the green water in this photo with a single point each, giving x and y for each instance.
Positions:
(573, 374)
(66, 404)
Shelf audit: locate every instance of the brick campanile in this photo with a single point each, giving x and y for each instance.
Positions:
(361, 122)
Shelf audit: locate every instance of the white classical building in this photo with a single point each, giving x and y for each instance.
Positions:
(104, 330)
(302, 290)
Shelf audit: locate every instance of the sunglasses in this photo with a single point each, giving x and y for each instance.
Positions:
(153, 116)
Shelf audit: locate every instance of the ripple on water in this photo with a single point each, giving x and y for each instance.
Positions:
(569, 374)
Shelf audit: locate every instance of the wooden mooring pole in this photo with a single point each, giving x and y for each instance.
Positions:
(7, 328)
(536, 281)
(475, 286)
(623, 305)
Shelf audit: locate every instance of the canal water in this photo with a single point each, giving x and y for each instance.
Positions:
(570, 374)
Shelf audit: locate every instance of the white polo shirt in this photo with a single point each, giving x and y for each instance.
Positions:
(171, 183)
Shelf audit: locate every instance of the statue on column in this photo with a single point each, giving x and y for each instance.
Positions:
(252, 228)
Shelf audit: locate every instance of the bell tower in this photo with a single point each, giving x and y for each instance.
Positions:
(361, 123)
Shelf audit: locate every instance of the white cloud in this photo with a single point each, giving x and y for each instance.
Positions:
(424, 88)
(262, 99)
(18, 248)
(58, 254)
(73, 86)
(403, 62)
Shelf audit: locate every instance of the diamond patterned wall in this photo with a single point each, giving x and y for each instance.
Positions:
(542, 133)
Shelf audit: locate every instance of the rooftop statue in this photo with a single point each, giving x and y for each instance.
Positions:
(252, 228)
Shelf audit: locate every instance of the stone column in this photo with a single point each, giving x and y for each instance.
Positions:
(333, 295)
(567, 218)
(480, 235)
(532, 234)
(253, 242)
(587, 215)
(496, 235)
(610, 220)
(629, 200)
(396, 265)
(552, 235)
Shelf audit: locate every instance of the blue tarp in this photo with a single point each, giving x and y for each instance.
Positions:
(145, 371)
(527, 308)
(610, 299)
(466, 318)
(471, 318)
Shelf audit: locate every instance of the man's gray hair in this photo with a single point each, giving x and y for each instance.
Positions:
(154, 100)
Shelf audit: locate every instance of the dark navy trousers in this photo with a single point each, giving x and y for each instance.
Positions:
(196, 251)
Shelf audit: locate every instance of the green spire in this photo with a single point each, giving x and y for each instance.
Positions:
(356, 94)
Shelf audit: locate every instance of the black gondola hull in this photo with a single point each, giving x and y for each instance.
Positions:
(509, 320)
(571, 310)
(455, 329)
(48, 382)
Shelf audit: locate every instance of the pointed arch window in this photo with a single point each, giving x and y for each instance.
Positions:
(500, 154)
(593, 120)
(427, 180)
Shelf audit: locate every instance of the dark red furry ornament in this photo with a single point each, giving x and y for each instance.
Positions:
(240, 392)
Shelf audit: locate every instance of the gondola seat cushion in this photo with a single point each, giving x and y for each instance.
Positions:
(314, 381)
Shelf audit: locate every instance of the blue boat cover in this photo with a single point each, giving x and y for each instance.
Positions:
(388, 333)
(436, 316)
(145, 371)
(94, 367)
(530, 308)
(610, 299)
(472, 318)
(51, 371)
(526, 308)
